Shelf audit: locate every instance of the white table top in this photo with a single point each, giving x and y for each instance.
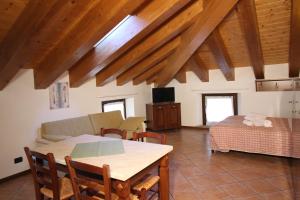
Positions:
(137, 156)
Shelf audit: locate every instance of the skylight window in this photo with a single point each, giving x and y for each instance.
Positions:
(112, 30)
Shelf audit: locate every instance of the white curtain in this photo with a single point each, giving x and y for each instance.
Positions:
(218, 108)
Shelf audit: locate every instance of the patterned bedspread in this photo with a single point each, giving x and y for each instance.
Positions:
(232, 134)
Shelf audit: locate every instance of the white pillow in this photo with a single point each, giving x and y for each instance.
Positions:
(255, 117)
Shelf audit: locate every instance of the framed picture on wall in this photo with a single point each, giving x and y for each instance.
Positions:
(59, 95)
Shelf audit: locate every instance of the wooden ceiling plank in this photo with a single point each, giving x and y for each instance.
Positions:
(196, 65)
(221, 56)
(249, 25)
(181, 75)
(55, 26)
(149, 73)
(119, 41)
(294, 58)
(192, 39)
(274, 29)
(13, 42)
(167, 32)
(10, 11)
(81, 39)
(148, 62)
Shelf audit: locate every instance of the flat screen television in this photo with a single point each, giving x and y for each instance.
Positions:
(166, 94)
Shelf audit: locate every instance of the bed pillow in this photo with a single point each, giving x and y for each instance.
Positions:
(255, 117)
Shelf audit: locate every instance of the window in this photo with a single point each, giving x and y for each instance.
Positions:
(111, 105)
(216, 107)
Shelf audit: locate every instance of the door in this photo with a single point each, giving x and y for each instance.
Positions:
(295, 162)
(173, 117)
(217, 106)
(159, 117)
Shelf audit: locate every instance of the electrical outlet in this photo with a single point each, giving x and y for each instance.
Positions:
(18, 160)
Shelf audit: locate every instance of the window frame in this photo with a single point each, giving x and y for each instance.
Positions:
(103, 103)
(235, 103)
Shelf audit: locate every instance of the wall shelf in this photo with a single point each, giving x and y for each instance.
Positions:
(277, 85)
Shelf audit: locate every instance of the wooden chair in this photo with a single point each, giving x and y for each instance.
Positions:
(148, 182)
(97, 189)
(109, 132)
(161, 138)
(45, 178)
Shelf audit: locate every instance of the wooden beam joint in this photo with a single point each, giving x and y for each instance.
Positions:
(294, 58)
(248, 21)
(218, 49)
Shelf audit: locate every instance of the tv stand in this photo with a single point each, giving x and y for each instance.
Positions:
(162, 116)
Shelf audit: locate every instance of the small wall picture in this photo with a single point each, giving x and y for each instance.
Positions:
(59, 95)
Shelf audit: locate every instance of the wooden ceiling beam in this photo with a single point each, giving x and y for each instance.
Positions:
(85, 34)
(294, 56)
(13, 43)
(221, 56)
(181, 75)
(151, 79)
(167, 32)
(148, 62)
(120, 40)
(248, 21)
(192, 39)
(196, 65)
(149, 73)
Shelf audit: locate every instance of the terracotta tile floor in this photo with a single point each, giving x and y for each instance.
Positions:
(197, 174)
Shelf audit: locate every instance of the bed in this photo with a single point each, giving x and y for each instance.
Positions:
(232, 134)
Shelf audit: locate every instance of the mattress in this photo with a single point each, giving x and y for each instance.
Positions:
(232, 134)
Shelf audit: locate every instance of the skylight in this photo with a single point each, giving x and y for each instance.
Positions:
(111, 31)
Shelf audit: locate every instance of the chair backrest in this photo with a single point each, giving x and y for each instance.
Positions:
(44, 172)
(82, 174)
(162, 138)
(121, 133)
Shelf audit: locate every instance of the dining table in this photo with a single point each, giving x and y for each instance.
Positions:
(126, 167)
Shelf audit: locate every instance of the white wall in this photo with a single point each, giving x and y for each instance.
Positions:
(23, 109)
(267, 103)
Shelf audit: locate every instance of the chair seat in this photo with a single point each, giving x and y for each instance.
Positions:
(148, 183)
(115, 197)
(65, 189)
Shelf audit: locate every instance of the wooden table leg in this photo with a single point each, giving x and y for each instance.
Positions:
(164, 178)
(122, 189)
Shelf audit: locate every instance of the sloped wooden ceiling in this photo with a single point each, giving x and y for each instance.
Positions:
(140, 40)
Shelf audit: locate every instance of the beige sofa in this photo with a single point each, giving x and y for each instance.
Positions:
(89, 124)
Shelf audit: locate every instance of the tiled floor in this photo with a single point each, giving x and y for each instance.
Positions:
(196, 174)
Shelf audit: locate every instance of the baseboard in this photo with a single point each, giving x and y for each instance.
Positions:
(196, 127)
(15, 176)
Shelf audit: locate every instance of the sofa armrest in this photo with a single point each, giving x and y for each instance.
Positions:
(41, 141)
(132, 123)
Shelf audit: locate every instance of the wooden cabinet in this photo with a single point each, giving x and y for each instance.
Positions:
(163, 116)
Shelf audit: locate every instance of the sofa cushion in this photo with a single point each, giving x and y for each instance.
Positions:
(68, 127)
(55, 138)
(111, 119)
